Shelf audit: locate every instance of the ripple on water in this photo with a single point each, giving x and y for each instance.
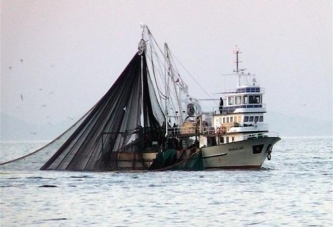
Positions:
(293, 189)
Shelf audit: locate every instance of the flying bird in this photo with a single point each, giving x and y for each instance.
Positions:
(44, 105)
(21, 97)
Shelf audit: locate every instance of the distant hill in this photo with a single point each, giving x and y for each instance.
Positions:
(13, 129)
(287, 125)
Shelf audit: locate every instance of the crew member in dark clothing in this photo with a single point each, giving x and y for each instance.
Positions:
(221, 105)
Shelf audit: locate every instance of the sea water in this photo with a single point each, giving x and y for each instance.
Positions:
(294, 188)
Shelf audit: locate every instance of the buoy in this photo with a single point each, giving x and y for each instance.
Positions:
(269, 151)
(269, 157)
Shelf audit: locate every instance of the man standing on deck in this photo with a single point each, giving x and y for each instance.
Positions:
(221, 105)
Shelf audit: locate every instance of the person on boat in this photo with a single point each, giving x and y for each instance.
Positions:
(221, 105)
(175, 129)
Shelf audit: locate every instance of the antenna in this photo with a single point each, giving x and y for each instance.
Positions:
(238, 71)
(237, 61)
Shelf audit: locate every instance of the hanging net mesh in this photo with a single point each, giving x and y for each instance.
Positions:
(117, 123)
(35, 159)
(114, 125)
(126, 128)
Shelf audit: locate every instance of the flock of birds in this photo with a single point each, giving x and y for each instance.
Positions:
(42, 105)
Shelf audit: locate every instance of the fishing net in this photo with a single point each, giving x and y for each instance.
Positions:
(128, 121)
(117, 123)
(34, 160)
(114, 124)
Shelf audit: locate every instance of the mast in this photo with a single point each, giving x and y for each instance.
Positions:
(167, 91)
(172, 88)
(142, 48)
(237, 52)
(142, 107)
(238, 71)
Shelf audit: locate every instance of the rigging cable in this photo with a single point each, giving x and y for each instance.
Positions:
(192, 76)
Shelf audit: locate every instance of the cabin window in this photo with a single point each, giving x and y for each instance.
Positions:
(254, 99)
(220, 120)
(251, 119)
(227, 138)
(239, 119)
(231, 100)
(221, 139)
(233, 139)
(227, 119)
(256, 118)
(238, 100)
(223, 120)
(246, 119)
(257, 98)
(245, 99)
(261, 118)
(231, 119)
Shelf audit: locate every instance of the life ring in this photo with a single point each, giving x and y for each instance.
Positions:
(223, 130)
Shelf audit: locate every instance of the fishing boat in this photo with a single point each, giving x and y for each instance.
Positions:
(147, 120)
(238, 136)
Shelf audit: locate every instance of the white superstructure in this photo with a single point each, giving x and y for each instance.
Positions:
(237, 135)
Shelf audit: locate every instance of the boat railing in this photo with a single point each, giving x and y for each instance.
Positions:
(260, 135)
(231, 109)
(210, 130)
(191, 130)
(246, 125)
(271, 134)
(182, 130)
(254, 89)
(241, 127)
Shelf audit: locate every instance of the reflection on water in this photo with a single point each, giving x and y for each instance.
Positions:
(293, 189)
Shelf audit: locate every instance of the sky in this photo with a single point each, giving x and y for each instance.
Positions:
(59, 57)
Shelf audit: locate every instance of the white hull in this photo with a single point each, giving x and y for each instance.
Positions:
(242, 154)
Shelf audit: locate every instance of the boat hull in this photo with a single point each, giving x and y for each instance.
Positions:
(249, 153)
(135, 161)
(182, 160)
